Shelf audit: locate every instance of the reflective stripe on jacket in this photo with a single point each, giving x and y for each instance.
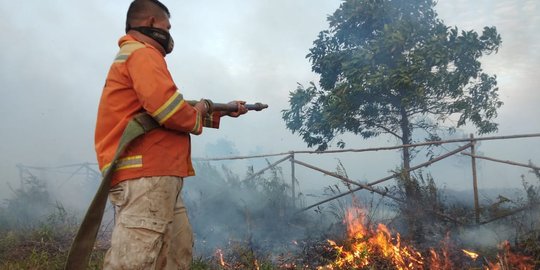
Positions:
(139, 81)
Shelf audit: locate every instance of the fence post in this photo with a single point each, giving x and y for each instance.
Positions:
(293, 180)
(475, 180)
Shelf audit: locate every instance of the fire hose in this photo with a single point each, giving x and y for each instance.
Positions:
(83, 244)
(228, 107)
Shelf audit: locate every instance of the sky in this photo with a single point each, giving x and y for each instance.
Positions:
(55, 56)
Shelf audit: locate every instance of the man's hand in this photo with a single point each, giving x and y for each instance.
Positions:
(202, 107)
(241, 109)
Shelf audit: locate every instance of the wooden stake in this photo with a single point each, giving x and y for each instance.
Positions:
(293, 180)
(475, 181)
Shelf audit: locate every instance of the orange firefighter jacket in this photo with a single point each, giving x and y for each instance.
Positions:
(139, 81)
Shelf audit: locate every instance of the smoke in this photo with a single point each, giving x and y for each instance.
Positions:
(486, 236)
(517, 228)
(256, 213)
(514, 63)
(56, 54)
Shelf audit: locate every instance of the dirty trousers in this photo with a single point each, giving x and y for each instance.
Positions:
(152, 229)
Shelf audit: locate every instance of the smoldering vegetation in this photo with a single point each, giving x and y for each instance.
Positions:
(246, 221)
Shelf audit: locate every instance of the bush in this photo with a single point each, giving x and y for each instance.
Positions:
(35, 232)
(255, 211)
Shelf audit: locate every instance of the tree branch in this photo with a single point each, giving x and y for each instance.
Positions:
(387, 130)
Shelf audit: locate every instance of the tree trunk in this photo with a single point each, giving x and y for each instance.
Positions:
(411, 207)
(406, 139)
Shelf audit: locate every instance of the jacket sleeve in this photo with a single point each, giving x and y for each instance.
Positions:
(212, 120)
(159, 95)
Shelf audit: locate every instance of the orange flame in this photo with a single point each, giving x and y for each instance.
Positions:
(366, 246)
(473, 255)
(219, 254)
(378, 248)
(441, 260)
(506, 259)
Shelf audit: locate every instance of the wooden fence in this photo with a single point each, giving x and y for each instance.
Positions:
(469, 144)
(292, 157)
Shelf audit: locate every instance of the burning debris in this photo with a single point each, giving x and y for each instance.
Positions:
(506, 259)
(473, 255)
(367, 248)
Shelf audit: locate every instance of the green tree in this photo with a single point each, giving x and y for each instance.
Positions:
(393, 67)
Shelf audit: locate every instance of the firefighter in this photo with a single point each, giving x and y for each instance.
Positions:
(151, 228)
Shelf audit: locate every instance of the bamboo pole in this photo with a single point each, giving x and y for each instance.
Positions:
(241, 157)
(368, 187)
(392, 176)
(265, 169)
(388, 178)
(502, 161)
(521, 136)
(475, 181)
(345, 179)
(57, 167)
(513, 212)
(293, 181)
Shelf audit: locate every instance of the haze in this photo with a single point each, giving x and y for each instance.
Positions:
(55, 56)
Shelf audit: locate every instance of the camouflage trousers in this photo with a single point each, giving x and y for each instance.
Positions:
(152, 229)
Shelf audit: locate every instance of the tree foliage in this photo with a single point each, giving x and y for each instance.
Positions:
(390, 67)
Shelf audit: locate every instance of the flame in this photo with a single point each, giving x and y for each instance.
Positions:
(438, 263)
(506, 259)
(255, 265)
(219, 254)
(378, 248)
(367, 246)
(473, 255)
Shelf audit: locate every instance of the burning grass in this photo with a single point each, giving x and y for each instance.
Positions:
(367, 248)
(363, 248)
(264, 238)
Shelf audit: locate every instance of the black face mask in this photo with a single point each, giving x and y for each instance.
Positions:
(159, 35)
